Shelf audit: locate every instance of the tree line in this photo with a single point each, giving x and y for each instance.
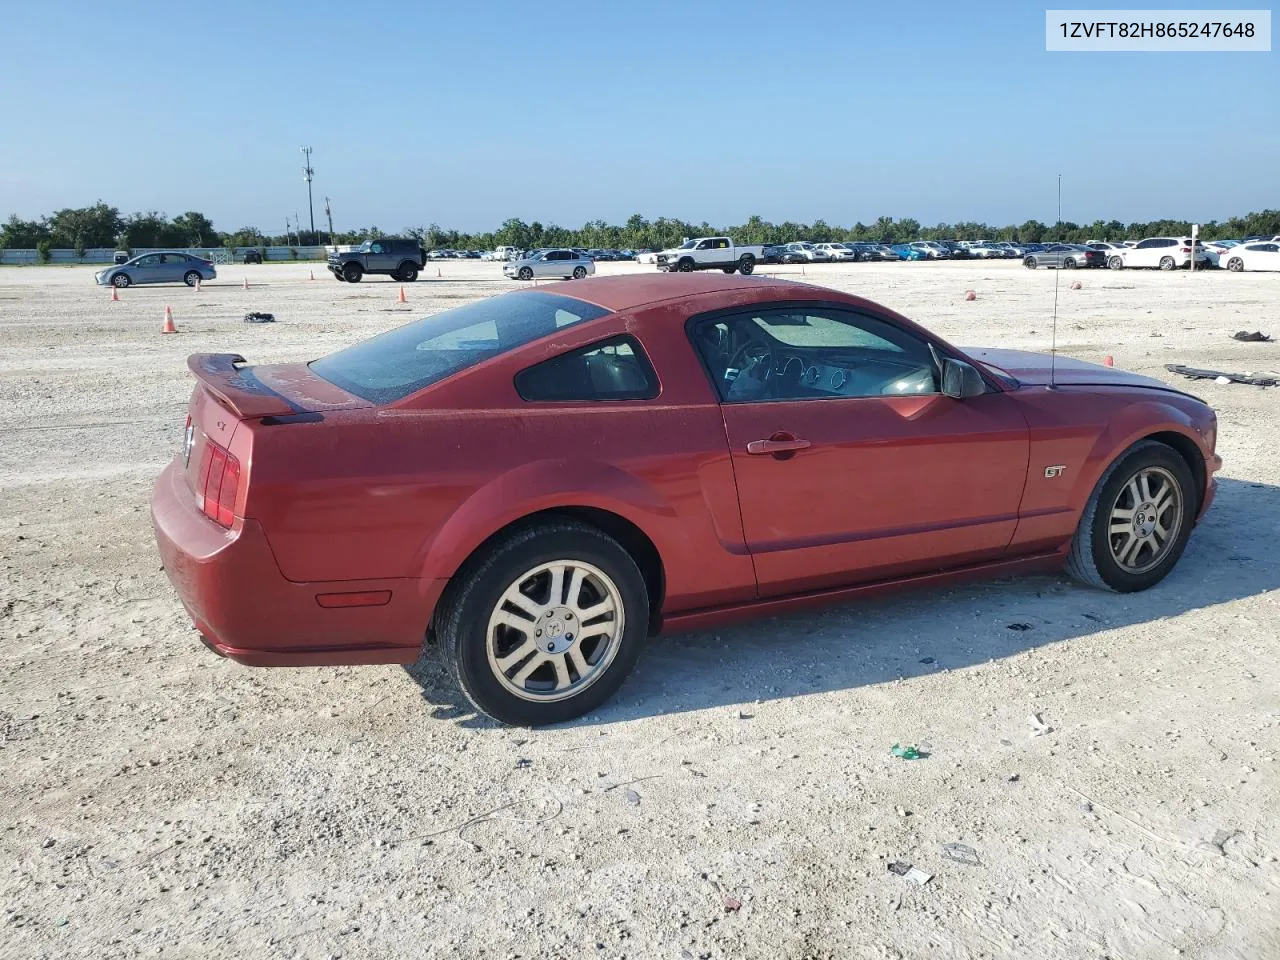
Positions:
(101, 226)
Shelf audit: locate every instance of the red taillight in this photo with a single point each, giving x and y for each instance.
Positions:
(219, 484)
(1186, 249)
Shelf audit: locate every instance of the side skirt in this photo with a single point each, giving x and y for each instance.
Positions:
(700, 619)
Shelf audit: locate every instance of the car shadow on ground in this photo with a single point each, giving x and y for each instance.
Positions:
(1230, 556)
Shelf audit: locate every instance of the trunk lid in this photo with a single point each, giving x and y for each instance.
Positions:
(1032, 369)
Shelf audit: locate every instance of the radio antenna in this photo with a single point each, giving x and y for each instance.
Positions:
(1053, 343)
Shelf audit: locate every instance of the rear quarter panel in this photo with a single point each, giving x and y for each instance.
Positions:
(412, 490)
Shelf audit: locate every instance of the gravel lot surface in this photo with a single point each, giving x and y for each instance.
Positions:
(737, 799)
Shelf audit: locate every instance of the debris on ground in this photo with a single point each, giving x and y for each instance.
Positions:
(633, 798)
(1038, 727)
(732, 904)
(523, 764)
(927, 660)
(1256, 337)
(961, 853)
(1196, 373)
(906, 753)
(254, 316)
(1020, 627)
(907, 871)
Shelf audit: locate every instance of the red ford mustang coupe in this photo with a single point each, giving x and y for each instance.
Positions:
(538, 481)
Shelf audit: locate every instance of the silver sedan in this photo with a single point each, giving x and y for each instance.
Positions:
(157, 268)
(550, 263)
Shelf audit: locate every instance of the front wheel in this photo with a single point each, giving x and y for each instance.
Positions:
(121, 280)
(1167, 263)
(546, 625)
(1235, 264)
(525, 273)
(685, 265)
(352, 273)
(746, 264)
(408, 273)
(1136, 524)
(579, 272)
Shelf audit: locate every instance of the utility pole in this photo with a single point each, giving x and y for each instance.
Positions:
(307, 174)
(329, 213)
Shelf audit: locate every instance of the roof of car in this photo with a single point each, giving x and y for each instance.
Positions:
(637, 290)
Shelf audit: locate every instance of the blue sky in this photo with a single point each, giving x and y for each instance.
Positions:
(465, 113)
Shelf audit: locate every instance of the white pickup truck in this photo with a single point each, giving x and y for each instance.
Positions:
(709, 253)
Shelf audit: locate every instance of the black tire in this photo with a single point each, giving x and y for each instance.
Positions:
(191, 278)
(1069, 263)
(1029, 263)
(1091, 561)
(746, 264)
(1168, 263)
(685, 265)
(1115, 263)
(525, 273)
(120, 280)
(337, 275)
(408, 273)
(352, 272)
(461, 625)
(729, 269)
(1235, 265)
(579, 272)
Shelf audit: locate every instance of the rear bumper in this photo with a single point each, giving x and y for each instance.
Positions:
(245, 609)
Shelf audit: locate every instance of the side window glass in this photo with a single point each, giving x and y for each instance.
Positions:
(613, 369)
(812, 353)
(376, 248)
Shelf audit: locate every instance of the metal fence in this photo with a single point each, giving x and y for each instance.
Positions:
(216, 254)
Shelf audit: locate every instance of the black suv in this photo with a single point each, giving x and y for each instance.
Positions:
(393, 256)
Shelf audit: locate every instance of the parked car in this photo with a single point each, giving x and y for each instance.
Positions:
(907, 251)
(884, 251)
(120, 256)
(836, 251)
(1252, 256)
(560, 263)
(710, 253)
(956, 249)
(252, 256)
(932, 249)
(396, 257)
(773, 253)
(801, 251)
(1106, 247)
(1068, 256)
(430, 488)
(984, 250)
(164, 267)
(1165, 253)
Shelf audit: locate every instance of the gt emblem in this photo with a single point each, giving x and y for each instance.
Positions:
(1055, 471)
(187, 444)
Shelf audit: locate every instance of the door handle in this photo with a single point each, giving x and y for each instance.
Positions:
(783, 444)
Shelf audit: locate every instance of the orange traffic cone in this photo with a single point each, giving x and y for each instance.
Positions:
(197, 284)
(115, 294)
(246, 283)
(1108, 361)
(402, 298)
(168, 321)
(1076, 285)
(970, 295)
(313, 274)
(437, 273)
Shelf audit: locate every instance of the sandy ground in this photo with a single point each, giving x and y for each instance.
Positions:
(159, 800)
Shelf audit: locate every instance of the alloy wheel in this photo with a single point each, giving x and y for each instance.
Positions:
(1145, 519)
(555, 630)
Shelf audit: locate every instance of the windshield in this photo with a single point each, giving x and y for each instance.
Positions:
(402, 361)
(687, 245)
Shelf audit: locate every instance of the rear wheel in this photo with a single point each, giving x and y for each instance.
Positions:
(746, 264)
(546, 625)
(408, 273)
(1235, 264)
(121, 280)
(1167, 263)
(1136, 524)
(352, 272)
(192, 278)
(1029, 263)
(579, 272)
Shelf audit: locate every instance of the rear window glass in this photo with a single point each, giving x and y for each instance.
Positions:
(402, 361)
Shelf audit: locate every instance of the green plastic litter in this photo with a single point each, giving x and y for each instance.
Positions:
(905, 753)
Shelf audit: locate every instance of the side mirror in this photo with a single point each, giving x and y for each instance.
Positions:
(961, 380)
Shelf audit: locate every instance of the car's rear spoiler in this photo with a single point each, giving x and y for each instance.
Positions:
(236, 389)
